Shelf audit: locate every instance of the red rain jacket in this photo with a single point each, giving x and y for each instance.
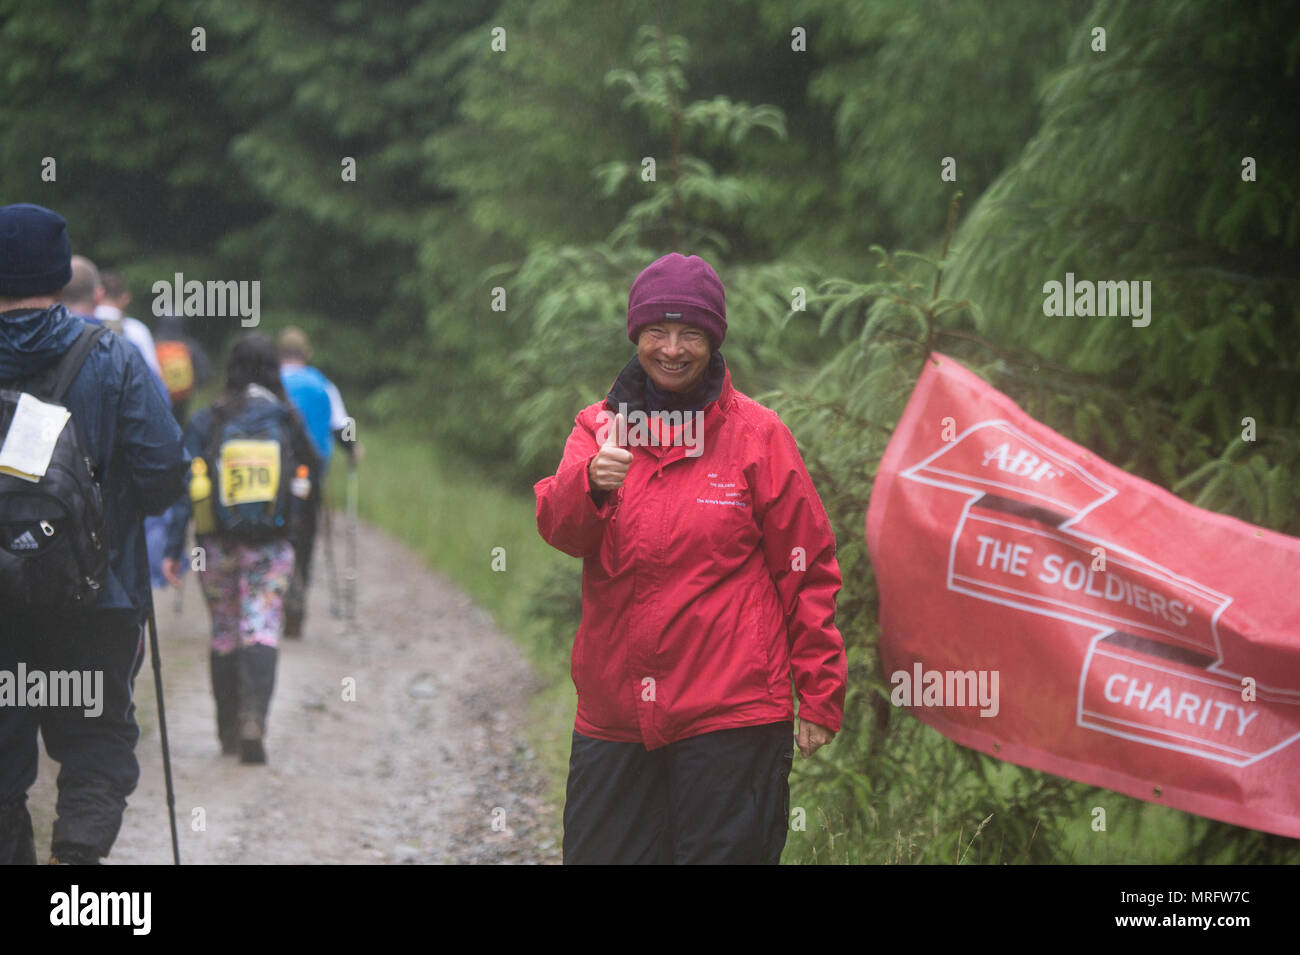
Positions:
(696, 605)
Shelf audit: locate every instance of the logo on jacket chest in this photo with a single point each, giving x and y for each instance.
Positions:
(723, 490)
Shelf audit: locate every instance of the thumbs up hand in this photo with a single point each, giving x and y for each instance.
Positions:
(608, 468)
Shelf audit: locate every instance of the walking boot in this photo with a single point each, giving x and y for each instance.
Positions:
(70, 854)
(252, 751)
(256, 681)
(225, 691)
(17, 841)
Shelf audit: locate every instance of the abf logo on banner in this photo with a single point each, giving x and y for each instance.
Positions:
(1021, 463)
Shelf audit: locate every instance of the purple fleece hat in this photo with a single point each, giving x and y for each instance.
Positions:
(678, 288)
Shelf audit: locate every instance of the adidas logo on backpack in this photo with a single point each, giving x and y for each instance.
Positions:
(25, 542)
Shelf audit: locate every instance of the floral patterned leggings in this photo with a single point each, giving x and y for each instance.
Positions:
(244, 585)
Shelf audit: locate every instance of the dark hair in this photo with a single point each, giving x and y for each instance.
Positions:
(253, 361)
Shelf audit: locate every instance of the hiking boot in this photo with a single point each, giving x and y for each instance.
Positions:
(251, 750)
(69, 854)
(256, 681)
(225, 692)
(17, 841)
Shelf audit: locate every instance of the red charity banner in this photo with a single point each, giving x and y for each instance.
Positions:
(1045, 607)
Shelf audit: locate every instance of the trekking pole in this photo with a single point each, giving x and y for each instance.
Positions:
(350, 572)
(162, 730)
(329, 558)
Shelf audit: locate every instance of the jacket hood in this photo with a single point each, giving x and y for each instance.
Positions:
(32, 340)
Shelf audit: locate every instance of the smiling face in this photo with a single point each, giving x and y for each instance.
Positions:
(673, 354)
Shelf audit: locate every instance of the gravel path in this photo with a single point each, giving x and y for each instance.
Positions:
(426, 765)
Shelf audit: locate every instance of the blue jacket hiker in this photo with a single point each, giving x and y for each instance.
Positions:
(321, 407)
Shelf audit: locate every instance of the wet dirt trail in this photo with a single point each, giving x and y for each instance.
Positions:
(426, 765)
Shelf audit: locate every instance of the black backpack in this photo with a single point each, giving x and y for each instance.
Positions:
(53, 536)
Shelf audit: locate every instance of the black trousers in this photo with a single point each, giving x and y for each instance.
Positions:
(720, 797)
(303, 539)
(304, 535)
(96, 753)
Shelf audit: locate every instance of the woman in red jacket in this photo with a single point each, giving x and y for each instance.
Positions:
(709, 580)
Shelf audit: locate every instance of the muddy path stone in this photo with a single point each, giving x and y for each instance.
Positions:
(426, 764)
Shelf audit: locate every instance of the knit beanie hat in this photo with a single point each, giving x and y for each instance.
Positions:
(678, 288)
(35, 256)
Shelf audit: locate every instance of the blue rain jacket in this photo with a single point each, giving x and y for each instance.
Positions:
(127, 429)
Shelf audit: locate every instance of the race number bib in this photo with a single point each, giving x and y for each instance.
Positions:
(250, 472)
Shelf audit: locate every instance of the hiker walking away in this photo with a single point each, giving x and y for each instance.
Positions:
(709, 579)
(185, 366)
(184, 363)
(84, 297)
(246, 447)
(319, 403)
(114, 301)
(89, 296)
(74, 585)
